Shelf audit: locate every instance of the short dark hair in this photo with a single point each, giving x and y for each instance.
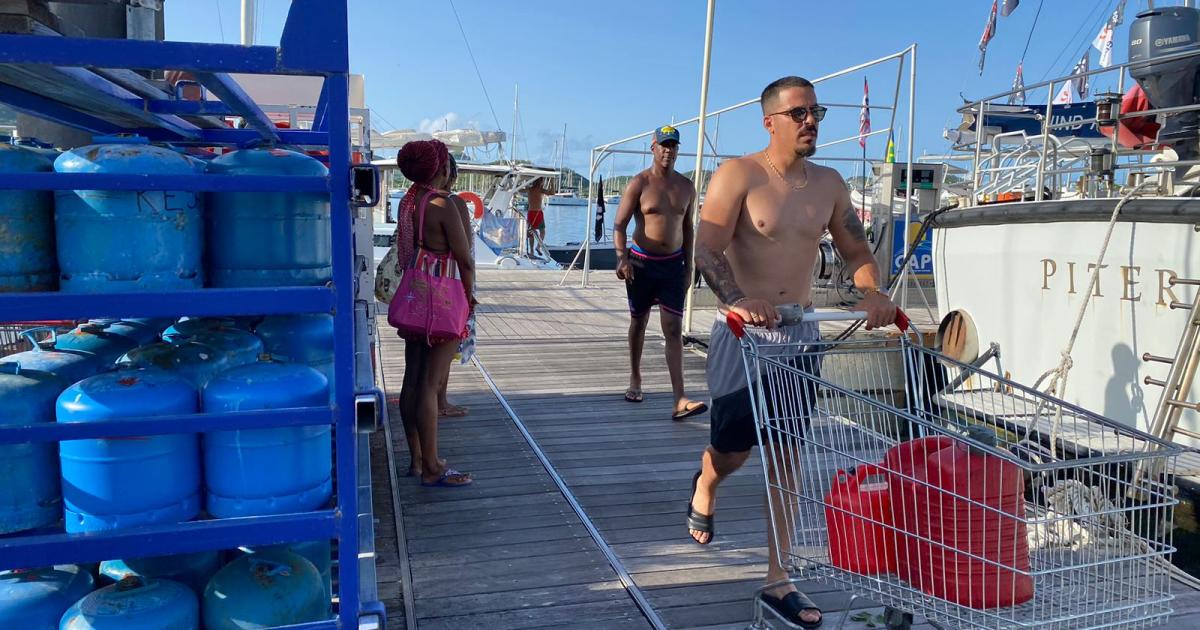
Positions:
(770, 92)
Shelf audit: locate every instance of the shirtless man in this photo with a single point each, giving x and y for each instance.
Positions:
(657, 267)
(757, 242)
(536, 217)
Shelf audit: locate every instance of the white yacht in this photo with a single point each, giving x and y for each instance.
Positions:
(1014, 261)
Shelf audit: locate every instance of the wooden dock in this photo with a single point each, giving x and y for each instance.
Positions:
(510, 551)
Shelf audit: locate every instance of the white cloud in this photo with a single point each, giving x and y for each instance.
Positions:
(449, 120)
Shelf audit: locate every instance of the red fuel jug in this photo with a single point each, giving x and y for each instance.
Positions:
(858, 516)
(976, 512)
(906, 464)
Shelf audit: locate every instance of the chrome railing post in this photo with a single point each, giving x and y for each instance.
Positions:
(1041, 168)
(978, 177)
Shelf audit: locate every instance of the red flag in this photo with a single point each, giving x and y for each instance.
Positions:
(864, 118)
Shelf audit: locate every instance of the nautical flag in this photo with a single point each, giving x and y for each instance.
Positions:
(1066, 94)
(1081, 83)
(989, 31)
(1009, 7)
(1017, 96)
(864, 117)
(890, 157)
(1104, 39)
(599, 230)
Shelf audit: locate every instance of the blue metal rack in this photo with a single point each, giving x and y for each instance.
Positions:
(89, 84)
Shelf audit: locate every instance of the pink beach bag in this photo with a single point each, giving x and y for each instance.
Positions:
(430, 300)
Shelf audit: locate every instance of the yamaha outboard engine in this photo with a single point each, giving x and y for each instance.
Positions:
(1159, 33)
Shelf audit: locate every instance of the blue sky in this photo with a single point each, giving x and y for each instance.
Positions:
(614, 68)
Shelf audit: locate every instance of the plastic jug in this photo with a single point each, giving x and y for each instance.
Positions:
(977, 516)
(858, 516)
(906, 464)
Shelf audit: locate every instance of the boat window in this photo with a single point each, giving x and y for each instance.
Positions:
(383, 240)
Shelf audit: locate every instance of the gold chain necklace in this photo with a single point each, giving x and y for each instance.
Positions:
(777, 172)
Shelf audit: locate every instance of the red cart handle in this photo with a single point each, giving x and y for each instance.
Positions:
(738, 325)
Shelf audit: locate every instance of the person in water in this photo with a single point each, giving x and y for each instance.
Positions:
(657, 266)
(756, 245)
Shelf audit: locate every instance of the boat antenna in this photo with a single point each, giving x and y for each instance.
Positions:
(478, 74)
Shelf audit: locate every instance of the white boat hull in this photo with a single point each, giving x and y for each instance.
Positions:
(1022, 284)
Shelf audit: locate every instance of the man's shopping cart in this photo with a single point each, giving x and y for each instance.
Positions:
(935, 487)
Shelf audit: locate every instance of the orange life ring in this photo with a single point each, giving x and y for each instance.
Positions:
(473, 199)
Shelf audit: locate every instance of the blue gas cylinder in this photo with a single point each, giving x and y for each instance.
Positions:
(27, 258)
(258, 239)
(29, 491)
(96, 339)
(267, 471)
(69, 366)
(188, 326)
(135, 602)
(44, 149)
(265, 589)
(306, 339)
(140, 330)
(124, 240)
(35, 599)
(318, 552)
(113, 483)
(239, 346)
(195, 362)
(190, 569)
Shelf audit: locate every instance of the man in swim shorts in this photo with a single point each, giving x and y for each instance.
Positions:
(656, 267)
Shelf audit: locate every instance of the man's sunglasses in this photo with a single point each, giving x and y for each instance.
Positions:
(800, 114)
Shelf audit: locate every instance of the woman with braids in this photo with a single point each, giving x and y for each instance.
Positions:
(427, 359)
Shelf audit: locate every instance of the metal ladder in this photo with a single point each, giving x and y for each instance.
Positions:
(1175, 392)
(1183, 373)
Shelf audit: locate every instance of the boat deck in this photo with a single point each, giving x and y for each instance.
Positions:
(511, 551)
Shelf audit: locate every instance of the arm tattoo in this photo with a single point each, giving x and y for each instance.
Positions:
(853, 226)
(715, 267)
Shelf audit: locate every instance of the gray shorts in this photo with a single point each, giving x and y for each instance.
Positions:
(732, 426)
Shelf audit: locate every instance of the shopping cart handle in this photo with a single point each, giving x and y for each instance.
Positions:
(738, 325)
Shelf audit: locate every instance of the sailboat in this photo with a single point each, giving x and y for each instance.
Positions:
(1015, 260)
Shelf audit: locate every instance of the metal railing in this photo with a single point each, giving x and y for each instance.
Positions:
(903, 58)
(995, 168)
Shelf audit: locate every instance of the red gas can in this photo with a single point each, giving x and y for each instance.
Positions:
(906, 464)
(858, 517)
(976, 513)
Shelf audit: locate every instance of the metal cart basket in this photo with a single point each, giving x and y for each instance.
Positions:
(937, 488)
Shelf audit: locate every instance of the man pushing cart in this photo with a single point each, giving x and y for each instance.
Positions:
(950, 492)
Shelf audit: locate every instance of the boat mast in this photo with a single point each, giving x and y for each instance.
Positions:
(562, 157)
(512, 147)
(248, 22)
(696, 174)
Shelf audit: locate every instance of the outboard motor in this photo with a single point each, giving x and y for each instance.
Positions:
(1159, 33)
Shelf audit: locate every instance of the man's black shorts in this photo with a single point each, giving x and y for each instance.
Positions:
(657, 279)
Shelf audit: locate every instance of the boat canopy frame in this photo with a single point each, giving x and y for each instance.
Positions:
(906, 57)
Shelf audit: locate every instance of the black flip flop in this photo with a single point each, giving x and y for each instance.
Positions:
(697, 521)
(690, 411)
(634, 396)
(791, 605)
